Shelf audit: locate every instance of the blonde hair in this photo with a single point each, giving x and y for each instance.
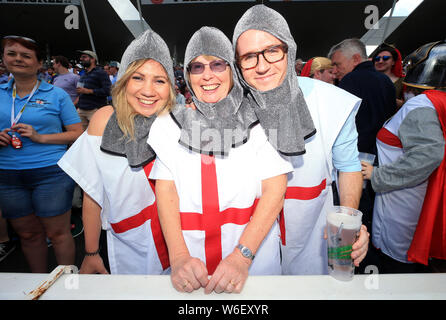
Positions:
(321, 64)
(125, 114)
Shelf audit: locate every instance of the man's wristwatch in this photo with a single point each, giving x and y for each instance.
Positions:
(245, 251)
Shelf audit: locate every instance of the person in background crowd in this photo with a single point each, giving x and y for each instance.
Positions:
(298, 66)
(180, 98)
(409, 222)
(93, 87)
(70, 67)
(107, 69)
(43, 75)
(52, 74)
(65, 79)
(178, 72)
(358, 76)
(114, 68)
(4, 75)
(37, 122)
(78, 69)
(387, 59)
(319, 68)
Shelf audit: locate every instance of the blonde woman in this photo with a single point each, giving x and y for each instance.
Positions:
(111, 162)
(319, 68)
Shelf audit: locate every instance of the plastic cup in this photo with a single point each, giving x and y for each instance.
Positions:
(343, 225)
(369, 158)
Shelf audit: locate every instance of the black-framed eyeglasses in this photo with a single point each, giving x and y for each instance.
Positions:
(271, 54)
(215, 66)
(20, 37)
(378, 58)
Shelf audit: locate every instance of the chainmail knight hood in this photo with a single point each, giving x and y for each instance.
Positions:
(282, 111)
(214, 128)
(149, 45)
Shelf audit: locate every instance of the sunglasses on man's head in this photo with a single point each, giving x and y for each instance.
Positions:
(215, 66)
(378, 58)
(20, 37)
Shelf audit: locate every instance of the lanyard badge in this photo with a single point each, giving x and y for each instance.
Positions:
(16, 143)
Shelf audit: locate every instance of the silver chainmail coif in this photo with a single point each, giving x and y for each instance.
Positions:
(149, 45)
(213, 128)
(282, 111)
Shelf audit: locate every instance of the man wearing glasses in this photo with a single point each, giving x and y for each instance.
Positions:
(266, 53)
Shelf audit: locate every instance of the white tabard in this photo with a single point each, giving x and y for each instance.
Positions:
(237, 182)
(396, 212)
(134, 239)
(309, 193)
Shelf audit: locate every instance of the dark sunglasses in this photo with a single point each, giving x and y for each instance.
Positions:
(20, 37)
(378, 58)
(215, 66)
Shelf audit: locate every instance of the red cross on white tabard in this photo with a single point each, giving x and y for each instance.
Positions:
(299, 193)
(212, 219)
(150, 212)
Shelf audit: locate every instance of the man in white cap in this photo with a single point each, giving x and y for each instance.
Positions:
(93, 87)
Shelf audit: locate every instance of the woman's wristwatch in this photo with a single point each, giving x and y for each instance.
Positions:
(246, 252)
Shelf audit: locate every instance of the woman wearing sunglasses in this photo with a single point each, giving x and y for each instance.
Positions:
(387, 59)
(220, 184)
(37, 121)
(111, 162)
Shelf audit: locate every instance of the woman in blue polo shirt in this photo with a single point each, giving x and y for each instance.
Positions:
(37, 121)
